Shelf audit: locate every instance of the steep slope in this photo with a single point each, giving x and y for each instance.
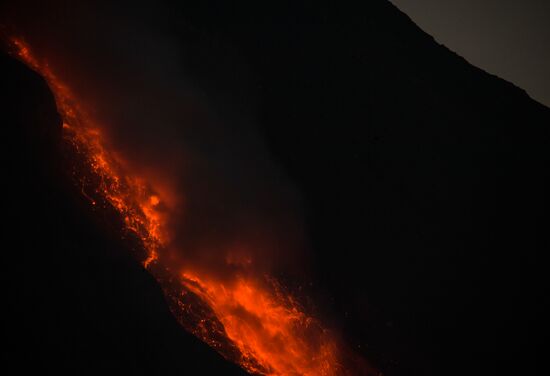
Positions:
(75, 301)
(424, 179)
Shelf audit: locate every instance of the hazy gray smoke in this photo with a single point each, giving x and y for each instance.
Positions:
(180, 106)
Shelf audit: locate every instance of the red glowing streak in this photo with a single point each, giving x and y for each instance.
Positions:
(250, 320)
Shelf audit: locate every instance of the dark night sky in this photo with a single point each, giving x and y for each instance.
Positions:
(508, 38)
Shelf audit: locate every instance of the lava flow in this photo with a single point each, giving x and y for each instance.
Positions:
(249, 319)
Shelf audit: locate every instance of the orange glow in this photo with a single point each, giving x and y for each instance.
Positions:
(129, 195)
(274, 335)
(249, 319)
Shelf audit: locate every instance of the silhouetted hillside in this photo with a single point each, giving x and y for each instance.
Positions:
(74, 300)
(424, 180)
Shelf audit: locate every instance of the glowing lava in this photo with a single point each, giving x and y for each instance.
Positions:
(249, 319)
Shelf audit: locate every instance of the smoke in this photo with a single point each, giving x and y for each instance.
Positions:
(179, 107)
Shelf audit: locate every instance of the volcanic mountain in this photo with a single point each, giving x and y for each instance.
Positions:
(424, 182)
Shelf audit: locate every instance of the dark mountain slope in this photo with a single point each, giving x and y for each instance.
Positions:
(74, 301)
(424, 180)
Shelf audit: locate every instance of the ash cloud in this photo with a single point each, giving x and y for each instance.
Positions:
(180, 106)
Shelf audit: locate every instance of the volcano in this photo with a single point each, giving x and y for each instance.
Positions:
(422, 181)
